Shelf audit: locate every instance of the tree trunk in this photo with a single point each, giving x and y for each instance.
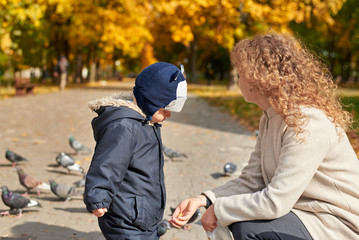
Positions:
(193, 61)
(98, 69)
(233, 83)
(88, 65)
(9, 75)
(92, 72)
(78, 72)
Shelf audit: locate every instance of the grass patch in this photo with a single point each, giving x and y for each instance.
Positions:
(8, 92)
(351, 104)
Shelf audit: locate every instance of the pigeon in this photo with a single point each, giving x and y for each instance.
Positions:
(162, 228)
(229, 168)
(80, 183)
(14, 157)
(172, 153)
(63, 191)
(69, 163)
(194, 217)
(75, 167)
(16, 201)
(77, 146)
(30, 182)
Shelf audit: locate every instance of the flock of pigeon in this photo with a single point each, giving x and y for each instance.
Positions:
(17, 201)
(65, 192)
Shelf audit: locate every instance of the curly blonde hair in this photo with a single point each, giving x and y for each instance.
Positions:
(281, 68)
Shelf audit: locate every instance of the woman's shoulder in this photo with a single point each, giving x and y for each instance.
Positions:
(318, 121)
(315, 114)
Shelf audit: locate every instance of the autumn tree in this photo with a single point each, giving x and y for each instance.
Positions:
(194, 22)
(336, 40)
(19, 22)
(197, 33)
(280, 15)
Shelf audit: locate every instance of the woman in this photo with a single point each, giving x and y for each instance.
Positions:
(302, 179)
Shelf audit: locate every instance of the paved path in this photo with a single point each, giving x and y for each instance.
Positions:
(38, 128)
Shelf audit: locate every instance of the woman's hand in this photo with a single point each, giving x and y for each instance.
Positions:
(209, 219)
(186, 209)
(99, 212)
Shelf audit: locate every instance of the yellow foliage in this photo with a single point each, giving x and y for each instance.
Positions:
(183, 34)
(185, 19)
(120, 24)
(147, 57)
(128, 24)
(15, 11)
(5, 41)
(278, 14)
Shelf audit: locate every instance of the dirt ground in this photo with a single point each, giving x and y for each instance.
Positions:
(38, 127)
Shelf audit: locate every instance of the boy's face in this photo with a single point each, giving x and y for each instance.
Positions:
(160, 115)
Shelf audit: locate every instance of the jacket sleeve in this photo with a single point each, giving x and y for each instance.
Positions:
(250, 180)
(113, 153)
(297, 164)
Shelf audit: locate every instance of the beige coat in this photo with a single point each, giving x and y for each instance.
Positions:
(317, 179)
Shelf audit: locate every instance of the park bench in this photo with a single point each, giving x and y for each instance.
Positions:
(23, 86)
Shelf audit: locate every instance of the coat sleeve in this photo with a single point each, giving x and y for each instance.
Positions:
(113, 153)
(297, 164)
(250, 180)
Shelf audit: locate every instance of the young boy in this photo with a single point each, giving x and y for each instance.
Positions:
(125, 183)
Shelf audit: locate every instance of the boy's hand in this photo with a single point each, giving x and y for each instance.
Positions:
(99, 212)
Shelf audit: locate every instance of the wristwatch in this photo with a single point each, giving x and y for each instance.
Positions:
(208, 202)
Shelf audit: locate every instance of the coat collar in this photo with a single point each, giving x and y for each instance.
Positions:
(119, 100)
(115, 100)
(270, 113)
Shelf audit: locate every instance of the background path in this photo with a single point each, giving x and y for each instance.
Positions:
(38, 128)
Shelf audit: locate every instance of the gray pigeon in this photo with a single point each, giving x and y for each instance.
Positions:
(80, 183)
(162, 227)
(69, 163)
(172, 153)
(13, 157)
(229, 168)
(16, 201)
(77, 146)
(63, 191)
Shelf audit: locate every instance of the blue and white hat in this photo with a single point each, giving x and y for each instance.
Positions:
(160, 85)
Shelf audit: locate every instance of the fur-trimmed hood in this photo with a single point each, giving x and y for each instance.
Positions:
(112, 108)
(115, 100)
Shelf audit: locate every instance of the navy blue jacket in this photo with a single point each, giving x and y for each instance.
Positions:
(126, 172)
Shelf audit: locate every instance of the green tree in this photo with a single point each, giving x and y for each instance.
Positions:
(336, 41)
